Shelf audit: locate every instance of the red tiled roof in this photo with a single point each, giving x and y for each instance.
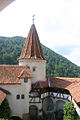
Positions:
(24, 74)
(10, 74)
(32, 47)
(71, 84)
(2, 96)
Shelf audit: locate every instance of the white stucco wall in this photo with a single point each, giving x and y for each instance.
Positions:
(40, 65)
(76, 106)
(18, 107)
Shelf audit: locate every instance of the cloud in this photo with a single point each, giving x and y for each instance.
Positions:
(57, 22)
(74, 56)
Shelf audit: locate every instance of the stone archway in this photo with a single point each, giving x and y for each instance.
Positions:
(48, 108)
(33, 110)
(59, 109)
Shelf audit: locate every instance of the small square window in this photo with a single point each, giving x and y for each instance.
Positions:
(18, 97)
(34, 69)
(22, 96)
(26, 80)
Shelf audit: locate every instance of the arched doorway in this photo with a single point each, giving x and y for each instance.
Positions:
(48, 108)
(33, 110)
(15, 118)
(59, 110)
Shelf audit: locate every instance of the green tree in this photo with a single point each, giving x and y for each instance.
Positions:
(69, 111)
(57, 65)
(5, 111)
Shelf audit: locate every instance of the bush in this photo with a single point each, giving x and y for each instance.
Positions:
(5, 109)
(69, 111)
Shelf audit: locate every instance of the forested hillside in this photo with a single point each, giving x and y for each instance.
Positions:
(10, 49)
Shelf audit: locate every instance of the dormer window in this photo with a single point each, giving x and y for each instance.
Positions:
(25, 80)
(34, 69)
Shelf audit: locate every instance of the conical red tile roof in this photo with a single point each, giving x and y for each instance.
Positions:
(32, 47)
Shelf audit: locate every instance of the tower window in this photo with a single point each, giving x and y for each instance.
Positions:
(22, 96)
(34, 69)
(18, 97)
(25, 80)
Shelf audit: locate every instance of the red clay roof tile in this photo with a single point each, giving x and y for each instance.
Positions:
(25, 74)
(9, 74)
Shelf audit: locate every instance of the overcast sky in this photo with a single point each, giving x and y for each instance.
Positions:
(57, 23)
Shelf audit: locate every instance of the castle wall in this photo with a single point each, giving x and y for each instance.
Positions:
(40, 69)
(18, 106)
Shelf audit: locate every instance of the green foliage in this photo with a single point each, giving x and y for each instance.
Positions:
(78, 118)
(69, 111)
(10, 49)
(59, 66)
(5, 110)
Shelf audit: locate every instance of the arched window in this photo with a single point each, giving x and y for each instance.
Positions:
(33, 110)
(22, 96)
(60, 105)
(18, 97)
(60, 109)
(48, 105)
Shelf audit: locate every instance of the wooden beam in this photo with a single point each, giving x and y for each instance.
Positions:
(5, 3)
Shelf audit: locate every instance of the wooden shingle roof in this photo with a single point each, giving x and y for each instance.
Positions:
(32, 47)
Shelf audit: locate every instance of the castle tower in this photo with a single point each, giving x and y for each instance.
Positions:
(32, 55)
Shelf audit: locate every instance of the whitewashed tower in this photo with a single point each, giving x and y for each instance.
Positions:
(32, 55)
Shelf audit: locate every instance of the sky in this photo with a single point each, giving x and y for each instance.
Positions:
(57, 23)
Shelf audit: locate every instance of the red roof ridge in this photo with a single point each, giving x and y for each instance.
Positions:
(20, 66)
(73, 80)
(66, 78)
